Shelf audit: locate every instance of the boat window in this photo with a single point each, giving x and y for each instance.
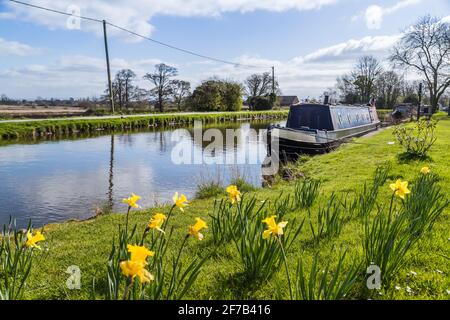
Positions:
(310, 116)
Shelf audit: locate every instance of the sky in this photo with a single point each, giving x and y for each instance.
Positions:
(310, 42)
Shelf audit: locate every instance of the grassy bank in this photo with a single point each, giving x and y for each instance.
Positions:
(65, 127)
(424, 274)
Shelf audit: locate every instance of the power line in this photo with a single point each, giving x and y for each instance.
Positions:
(55, 11)
(143, 37)
(184, 50)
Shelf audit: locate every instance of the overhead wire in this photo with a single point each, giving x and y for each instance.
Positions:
(170, 46)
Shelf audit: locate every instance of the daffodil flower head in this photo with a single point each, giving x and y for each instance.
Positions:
(132, 269)
(33, 240)
(132, 201)
(400, 188)
(139, 253)
(196, 228)
(273, 229)
(180, 201)
(234, 194)
(157, 221)
(425, 170)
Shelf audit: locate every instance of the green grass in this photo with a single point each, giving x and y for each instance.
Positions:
(67, 127)
(87, 244)
(209, 190)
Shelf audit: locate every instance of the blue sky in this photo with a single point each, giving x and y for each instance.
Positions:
(309, 42)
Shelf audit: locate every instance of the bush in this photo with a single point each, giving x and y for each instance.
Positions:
(216, 95)
(261, 103)
(417, 140)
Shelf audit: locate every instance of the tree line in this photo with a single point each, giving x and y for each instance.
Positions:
(424, 50)
(211, 95)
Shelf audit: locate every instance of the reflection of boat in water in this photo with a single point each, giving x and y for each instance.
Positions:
(319, 128)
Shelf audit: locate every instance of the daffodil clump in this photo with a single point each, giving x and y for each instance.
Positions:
(262, 243)
(159, 277)
(389, 236)
(17, 250)
(228, 215)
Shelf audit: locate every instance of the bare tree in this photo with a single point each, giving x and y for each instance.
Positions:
(180, 90)
(161, 79)
(425, 47)
(123, 87)
(389, 87)
(258, 85)
(127, 76)
(365, 75)
(347, 89)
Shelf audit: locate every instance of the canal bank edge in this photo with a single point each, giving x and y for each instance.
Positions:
(33, 129)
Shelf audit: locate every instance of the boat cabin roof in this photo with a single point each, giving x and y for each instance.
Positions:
(327, 117)
(313, 116)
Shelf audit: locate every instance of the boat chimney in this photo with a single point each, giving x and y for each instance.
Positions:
(326, 100)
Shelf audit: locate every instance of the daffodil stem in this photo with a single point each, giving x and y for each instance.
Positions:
(287, 269)
(126, 221)
(127, 288)
(168, 217)
(390, 207)
(144, 235)
(176, 264)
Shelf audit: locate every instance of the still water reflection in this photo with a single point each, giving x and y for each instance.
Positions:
(71, 179)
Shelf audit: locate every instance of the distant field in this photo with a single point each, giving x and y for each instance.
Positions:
(39, 112)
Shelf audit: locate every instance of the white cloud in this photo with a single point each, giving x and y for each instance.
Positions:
(353, 47)
(375, 14)
(13, 48)
(136, 14)
(307, 75)
(311, 74)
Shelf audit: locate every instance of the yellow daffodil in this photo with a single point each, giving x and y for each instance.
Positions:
(132, 201)
(196, 228)
(33, 240)
(180, 201)
(273, 228)
(400, 188)
(425, 170)
(157, 221)
(135, 268)
(234, 193)
(139, 253)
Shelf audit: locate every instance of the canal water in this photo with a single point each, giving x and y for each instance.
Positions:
(54, 181)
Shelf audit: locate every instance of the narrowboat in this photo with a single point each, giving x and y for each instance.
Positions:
(319, 128)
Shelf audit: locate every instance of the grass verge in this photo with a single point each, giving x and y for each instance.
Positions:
(425, 273)
(64, 127)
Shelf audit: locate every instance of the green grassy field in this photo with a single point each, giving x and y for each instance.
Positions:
(67, 127)
(425, 273)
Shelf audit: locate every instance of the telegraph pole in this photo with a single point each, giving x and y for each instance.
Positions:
(420, 100)
(273, 81)
(111, 99)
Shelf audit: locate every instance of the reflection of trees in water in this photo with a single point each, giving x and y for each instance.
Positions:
(126, 139)
(240, 144)
(159, 138)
